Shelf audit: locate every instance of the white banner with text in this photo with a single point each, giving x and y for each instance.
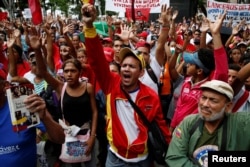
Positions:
(235, 12)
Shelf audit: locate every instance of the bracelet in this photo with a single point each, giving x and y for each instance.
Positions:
(165, 28)
(165, 25)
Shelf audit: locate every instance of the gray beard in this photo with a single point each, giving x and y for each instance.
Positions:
(213, 117)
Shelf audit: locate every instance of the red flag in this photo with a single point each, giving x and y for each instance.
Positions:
(36, 11)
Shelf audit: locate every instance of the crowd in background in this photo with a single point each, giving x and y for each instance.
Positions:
(179, 57)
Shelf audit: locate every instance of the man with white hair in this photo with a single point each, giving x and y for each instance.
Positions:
(214, 128)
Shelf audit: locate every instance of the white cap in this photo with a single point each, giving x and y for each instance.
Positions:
(220, 87)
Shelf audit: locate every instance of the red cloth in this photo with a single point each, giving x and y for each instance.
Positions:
(56, 56)
(87, 72)
(3, 74)
(3, 16)
(23, 68)
(109, 53)
(36, 11)
(144, 34)
(189, 47)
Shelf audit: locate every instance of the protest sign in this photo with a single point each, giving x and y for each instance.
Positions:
(122, 5)
(235, 12)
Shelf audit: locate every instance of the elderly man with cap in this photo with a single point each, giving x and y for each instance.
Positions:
(214, 128)
(126, 133)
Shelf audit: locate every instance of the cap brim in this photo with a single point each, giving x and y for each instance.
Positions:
(124, 52)
(189, 57)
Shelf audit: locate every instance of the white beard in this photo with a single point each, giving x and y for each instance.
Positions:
(214, 116)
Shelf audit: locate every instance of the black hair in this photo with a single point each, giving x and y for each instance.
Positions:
(197, 30)
(116, 37)
(116, 64)
(21, 29)
(246, 58)
(19, 51)
(206, 56)
(234, 67)
(4, 33)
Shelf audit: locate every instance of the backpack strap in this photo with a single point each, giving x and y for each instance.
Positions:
(153, 77)
(62, 95)
(195, 126)
(151, 74)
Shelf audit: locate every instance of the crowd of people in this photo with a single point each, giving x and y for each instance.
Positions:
(180, 75)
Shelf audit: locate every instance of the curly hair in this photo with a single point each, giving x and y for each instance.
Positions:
(206, 56)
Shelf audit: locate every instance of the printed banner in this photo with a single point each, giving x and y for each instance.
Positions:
(236, 12)
(141, 14)
(122, 5)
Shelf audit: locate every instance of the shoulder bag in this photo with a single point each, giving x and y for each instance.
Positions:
(157, 144)
(74, 147)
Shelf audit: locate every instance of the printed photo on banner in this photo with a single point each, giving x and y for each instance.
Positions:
(235, 12)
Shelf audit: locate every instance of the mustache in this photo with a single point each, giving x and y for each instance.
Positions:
(206, 109)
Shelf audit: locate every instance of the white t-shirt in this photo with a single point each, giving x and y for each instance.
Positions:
(146, 79)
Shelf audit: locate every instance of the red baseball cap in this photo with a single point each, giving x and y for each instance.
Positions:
(142, 44)
(144, 34)
(107, 39)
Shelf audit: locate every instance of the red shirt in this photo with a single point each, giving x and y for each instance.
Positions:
(188, 101)
(22, 68)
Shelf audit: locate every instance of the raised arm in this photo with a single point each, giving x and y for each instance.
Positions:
(41, 66)
(215, 30)
(12, 59)
(66, 29)
(220, 56)
(204, 28)
(94, 49)
(174, 74)
(49, 49)
(166, 15)
(235, 31)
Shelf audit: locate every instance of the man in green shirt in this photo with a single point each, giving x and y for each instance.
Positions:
(214, 128)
